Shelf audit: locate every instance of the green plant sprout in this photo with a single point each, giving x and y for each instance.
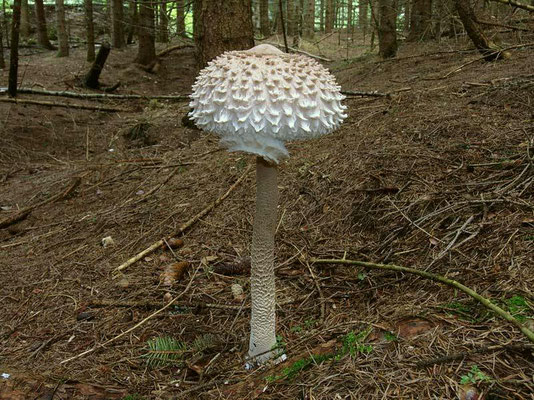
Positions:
(518, 307)
(475, 376)
(352, 345)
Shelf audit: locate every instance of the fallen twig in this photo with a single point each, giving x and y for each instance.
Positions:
(301, 52)
(487, 303)
(170, 303)
(23, 213)
(365, 94)
(64, 93)
(462, 355)
(183, 227)
(484, 57)
(516, 4)
(64, 105)
(193, 304)
(169, 49)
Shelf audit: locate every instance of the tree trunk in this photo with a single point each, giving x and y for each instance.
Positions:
(321, 16)
(62, 36)
(2, 61)
(117, 26)
(24, 19)
(265, 27)
(14, 53)
(291, 17)
(90, 29)
(5, 22)
(350, 26)
(363, 21)
(180, 17)
(485, 46)
(163, 23)
(329, 16)
(420, 20)
(221, 25)
(132, 19)
(256, 15)
(297, 24)
(42, 32)
(146, 54)
(91, 79)
(387, 28)
(309, 19)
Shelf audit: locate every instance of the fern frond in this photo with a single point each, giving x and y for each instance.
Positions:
(204, 342)
(164, 350)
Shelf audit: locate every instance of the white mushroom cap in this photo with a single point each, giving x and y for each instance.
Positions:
(257, 99)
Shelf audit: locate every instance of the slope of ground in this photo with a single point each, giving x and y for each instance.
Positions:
(438, 176)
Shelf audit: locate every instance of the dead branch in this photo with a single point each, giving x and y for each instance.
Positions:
(64, 105)
(438, 278)
(23, 213)
(183, 227)
(194, 304)
(170, 303)
(97, 95)
(365, 94)
(516, 4)
(169, 49)
(481, 350)
(458, 69)
(301, 52)
(514, 28)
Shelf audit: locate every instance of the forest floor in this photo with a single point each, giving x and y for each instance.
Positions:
(439, 176)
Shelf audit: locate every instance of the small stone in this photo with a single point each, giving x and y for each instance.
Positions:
(123, 283)
(167, 297)
(107, 242)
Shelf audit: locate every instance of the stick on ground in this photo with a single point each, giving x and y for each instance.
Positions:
(64, 105)
(22, 214)
(136, 325)
(183, 227)
(438, 278)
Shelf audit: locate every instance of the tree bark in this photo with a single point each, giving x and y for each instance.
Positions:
(117, 26)
(180, 18)
(350, 25)
(363, 20)
(221, 25)
(420, 20)
(387, 28)
(132, 19)
(62, 36)
(24, 19)
(14, 53)
(291, 17)
(146, 54)
(329, 16)
(309, 19)
(42, 32)
(485, 46)
(321, 15)
(90, 29)
(163, 23)
(2, 61)
(265, 27)
(91, 79)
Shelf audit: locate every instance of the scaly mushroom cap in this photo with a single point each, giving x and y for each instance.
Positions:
(257, 99)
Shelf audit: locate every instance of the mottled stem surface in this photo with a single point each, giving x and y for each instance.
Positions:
(262, 286)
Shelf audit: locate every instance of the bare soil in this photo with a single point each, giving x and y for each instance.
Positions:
(438, 176)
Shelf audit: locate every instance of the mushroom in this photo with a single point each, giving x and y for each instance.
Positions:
(256, 100)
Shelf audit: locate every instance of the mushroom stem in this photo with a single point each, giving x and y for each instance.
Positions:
(262, 285)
